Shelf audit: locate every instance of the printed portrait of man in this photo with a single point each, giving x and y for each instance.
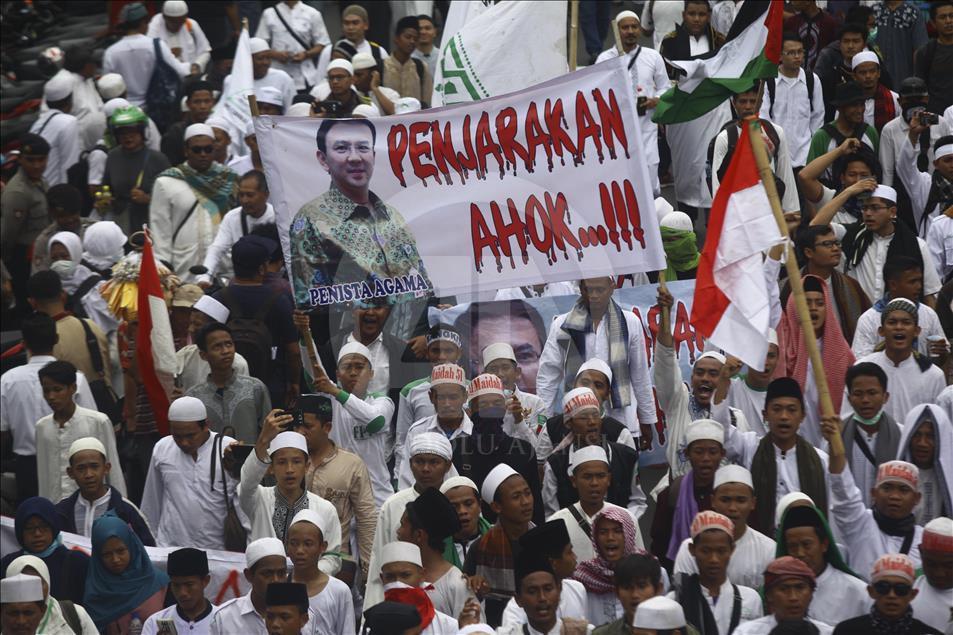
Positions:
(347, 242)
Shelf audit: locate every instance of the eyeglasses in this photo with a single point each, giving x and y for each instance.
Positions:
(872, 208)
(827, 244)
(202, 149)
(899, 589)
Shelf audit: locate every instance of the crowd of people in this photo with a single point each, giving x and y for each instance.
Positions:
(377, 466)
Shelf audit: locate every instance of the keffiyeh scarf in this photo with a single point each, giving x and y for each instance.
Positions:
(577, 325)
(597, 574)
(216, 188)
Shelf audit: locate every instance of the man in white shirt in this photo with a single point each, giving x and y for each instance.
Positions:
(538, 592)
(59, 128)
(255, 210)
(789, 586)
(354, 25)
(184, 36)
(649, 79)
(264, 75)
(914, 97)
(22, 403)
(795, 100)
(297, 35)
(525, 413)
(134, 56)
(929, 194)
(183, 497)
(934, 602)
(733, 497)
(881, 104)
(188, 579)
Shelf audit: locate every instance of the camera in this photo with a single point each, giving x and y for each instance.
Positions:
(330, 107)
(298, 420)
(929, 118)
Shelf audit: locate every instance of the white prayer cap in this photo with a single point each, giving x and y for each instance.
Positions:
(500, 350)
(86, 443)
(401, 552)
(485, 384)
(354, 348)
(289, 439)
(22, 562)
(586, 454)
(59, 87)
(662, 207)
(342, 64)
(113, 105)
(360, 61)
(732, 474)
(187, 409)
(431, 443)
(598, 365)
(218, 123)
(110, 86)
(21, 588)
(625, 15)
(863, 57)
(938, 535)
(578, 400)
(212, 308)
(270, 95)
(301, 109)
(677, 220)
(310, 516)
(447, 374)
(704, 429)
(494, 479)
(885, 192)
(482, 629)
(365, 111)
(787, 501)
(660, 614)
(262, 548)
(258, 45)
(405, 105)
(773, 337)
(458, 481)
(175, 8)
(198, 130)
(943, 151)
(715, 355)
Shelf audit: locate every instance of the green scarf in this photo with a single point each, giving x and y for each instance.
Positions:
(681, 251)
(450, 549)
(833, 556)
(216, 188)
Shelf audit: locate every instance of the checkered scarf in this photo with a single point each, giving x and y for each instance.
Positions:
(577, 325)
(597, 574)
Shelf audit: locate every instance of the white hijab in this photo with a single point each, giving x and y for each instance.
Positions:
(74, 245)
(103, 244)
(942, 433)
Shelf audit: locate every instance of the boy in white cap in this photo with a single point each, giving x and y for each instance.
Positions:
(659, 615)
(183, 35)
(920, 184)
(582, 414)
(329, 597)
(264, 75)
(361, 419)
(464, 495)
(89, 468)
(448, 393)
(367, 82)
(22, 605)
(270, 101)
(523, 410)
(60, 129)
(933, 604)
(283, 454)
(297, 35)
(265, 563)
(733, 497)
(183, 497)
(705, 595)
(191, 369)
(402, 574)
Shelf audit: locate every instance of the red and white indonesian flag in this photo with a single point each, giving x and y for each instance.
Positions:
(155, 351)
(731, 307)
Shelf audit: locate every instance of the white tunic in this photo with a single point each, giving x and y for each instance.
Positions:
(218, 258)
(333, 609)
(172, 200)
(350, 431)
(753, 553)
(134, 58)
(750, 401)
(181, 505)
(308, 24)
(572, 603)
(581, 542)
(866, 336)
(908, 386)
(86, 107)
(414, 404)
(405, 477)
(860, 532)
(62, 132)
(52, 451)
(721, 607)
(838, 597)
(190, 38)
(239, 616)
(450, 592)
(192, 370)
(182, 626)
(933, 606)
(800, 116)
(386, 531)
(764, 625)
(940, 244)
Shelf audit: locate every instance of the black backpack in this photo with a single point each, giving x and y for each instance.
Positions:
(733, 135)
(74, 302)
(77, 175)
(162, 96)
(250, 334)
(771, 85)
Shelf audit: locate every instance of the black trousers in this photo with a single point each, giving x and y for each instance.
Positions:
(24, 467)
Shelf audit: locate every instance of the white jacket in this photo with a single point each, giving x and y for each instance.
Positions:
(171, 207)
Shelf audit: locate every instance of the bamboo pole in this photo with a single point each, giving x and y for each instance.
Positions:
(253, 106)
(794, 278)
(573, 33)
(618, 37)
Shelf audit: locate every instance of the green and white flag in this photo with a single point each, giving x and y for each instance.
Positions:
(497, 48)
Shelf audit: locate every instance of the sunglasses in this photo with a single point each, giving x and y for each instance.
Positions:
(202, 149)
(900, 589)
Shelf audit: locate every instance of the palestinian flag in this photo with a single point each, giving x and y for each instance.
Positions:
(752, 51)
(732, 306)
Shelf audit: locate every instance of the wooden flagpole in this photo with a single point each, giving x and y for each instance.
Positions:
(617, 36)
(573, 33)
(794, 278)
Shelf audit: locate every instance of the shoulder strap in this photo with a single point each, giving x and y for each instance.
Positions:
(860, 443)
(244, 218)
(420, 68)
(907, 542)
(809, 77)
(288, 28)
(46, 123)
(92, 345)
(188, 215)
(87, 284)
(735, 610)
(583, 523)
(772, 87)
(71, 616)
(638, 52)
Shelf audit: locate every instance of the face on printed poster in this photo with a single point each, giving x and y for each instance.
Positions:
(543, 185)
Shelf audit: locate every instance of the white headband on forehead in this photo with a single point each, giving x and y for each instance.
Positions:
(943, 151)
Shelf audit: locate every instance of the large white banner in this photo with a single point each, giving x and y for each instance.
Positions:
(543, 185)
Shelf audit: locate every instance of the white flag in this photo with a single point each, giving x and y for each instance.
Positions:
(493, 49)
(232, 108)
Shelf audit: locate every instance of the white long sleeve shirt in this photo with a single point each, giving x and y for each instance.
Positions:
(52, 451)
(333, 609)
(274, 78)
(87, 107)
(22, 403)
(838, 597)
(190, 38)
(61, 131)
(800, 115)
(239, 616)
(218, 255)
(413, 405)
(581, 542)
(171, 201)
(917, 184)
(134, 58)
(869, 271)
(781, 166)
(363, 426)
(933, 606)
(552, 370)
(909, 386)
(386, 532)
(405, 477)
(940, 244)
(752, 554)
(856, 525)
(892, 139)
(866, 336)
(308, 24)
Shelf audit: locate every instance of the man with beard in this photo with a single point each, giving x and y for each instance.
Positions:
(934, 602)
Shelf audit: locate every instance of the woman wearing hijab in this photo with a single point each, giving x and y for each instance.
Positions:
(927, 442)
(37, 528)
(122, 584)
(613, 538)
(62, 617)
(103, 247)
(794, 361)
(79, 283)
